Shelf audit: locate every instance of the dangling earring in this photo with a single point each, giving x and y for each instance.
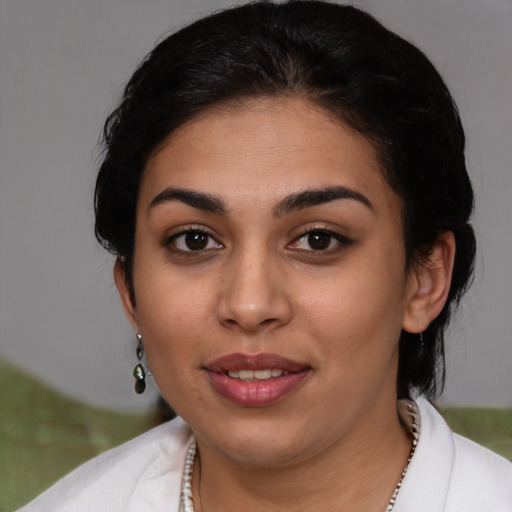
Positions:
(421, 340)
(138, 371)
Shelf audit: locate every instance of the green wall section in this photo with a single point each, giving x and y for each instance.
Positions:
(486, 425)
(44, 435)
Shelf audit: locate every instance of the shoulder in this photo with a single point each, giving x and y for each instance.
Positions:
(479, 480)
(449, 473)
(142, 474)
(479, 477)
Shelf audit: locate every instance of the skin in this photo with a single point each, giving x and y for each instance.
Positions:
(259, 286)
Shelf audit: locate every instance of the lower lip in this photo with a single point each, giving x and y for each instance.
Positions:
(259, 393)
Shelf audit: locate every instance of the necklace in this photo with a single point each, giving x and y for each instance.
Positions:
(407, 409)
(186, 503)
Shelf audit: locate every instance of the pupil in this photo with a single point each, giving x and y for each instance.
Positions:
(319, 241)
(196, 241)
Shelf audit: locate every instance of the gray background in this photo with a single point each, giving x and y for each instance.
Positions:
(62, 66)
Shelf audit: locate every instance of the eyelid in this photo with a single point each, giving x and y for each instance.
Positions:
(183, 231)
(342, 240)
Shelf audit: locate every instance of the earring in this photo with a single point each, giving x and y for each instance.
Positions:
(138, 371)
(421, 340)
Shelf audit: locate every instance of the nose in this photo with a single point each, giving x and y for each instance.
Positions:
(254, 296)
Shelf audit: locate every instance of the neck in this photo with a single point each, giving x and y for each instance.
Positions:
(357, 473)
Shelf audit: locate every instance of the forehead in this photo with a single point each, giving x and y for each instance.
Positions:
(265, 148)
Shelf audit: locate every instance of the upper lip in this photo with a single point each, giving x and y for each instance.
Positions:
(263, 361)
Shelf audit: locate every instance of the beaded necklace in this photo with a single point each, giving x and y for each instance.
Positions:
(407, 409)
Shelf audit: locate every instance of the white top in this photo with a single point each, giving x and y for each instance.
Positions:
(448, 473)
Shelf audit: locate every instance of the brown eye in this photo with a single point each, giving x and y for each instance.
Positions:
(319, 241)
(192, 241)
(196, 241)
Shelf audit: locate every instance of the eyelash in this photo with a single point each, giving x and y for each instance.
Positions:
(342, 241)
(171, 241)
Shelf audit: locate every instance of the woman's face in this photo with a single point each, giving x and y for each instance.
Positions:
(270, 280)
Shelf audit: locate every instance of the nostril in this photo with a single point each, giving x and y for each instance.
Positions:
(248, 325)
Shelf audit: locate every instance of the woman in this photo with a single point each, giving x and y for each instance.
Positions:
(285, 191)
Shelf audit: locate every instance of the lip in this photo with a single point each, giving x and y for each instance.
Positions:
(259, 393)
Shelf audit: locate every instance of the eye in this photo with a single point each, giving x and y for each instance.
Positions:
(193, 240)
(319, 240)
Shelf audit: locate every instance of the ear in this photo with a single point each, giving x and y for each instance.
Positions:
(428, 285)
(124, 293)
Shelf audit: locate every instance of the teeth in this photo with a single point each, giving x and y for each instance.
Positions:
(263, 374)
(252, 375)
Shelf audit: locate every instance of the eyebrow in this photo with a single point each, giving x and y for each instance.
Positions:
(308, 198)
(296, 201)
(200, 200)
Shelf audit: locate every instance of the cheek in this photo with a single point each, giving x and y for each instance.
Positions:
(171, 317)
(356, 326)
(174, 328)
(358, 311)
(165, 296)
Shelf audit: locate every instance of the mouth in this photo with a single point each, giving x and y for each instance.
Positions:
(255, 380)
(256, 375)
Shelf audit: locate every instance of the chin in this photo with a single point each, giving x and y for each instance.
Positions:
(260, 443)
(263, 452)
